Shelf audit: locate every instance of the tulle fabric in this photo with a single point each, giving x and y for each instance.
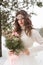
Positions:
(21, 60)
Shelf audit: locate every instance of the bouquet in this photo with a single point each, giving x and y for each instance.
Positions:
(14, 43)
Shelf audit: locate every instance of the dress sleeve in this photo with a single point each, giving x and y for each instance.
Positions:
(37, 37)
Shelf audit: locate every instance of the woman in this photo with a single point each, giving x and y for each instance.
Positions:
(28, 35)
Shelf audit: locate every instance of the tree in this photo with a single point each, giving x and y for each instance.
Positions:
(0, 31)
(0, 41)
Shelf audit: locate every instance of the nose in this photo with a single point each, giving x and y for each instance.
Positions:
(20, 20)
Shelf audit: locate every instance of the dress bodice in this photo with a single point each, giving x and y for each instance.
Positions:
(26, 40)
(29, 40)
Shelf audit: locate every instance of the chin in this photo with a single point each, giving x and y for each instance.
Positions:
(21, 25)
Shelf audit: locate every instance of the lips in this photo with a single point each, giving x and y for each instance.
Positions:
(21, 23)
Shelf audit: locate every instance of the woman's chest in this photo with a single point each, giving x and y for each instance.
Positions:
(27, 40)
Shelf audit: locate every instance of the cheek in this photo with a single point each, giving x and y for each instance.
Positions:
(19, 22)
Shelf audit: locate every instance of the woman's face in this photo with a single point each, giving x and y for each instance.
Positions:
(20, 19)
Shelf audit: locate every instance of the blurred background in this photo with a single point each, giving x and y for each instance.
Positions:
(8, 9)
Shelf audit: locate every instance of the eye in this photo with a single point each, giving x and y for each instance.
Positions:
(17, 19)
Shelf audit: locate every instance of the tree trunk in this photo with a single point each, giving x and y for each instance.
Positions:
(0, 39)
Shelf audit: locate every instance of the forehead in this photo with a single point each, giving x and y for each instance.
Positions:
(19, 16)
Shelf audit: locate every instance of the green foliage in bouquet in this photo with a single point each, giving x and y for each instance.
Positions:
(14, 44)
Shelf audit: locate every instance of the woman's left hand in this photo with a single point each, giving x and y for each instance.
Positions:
(15, 34)
(27, 52)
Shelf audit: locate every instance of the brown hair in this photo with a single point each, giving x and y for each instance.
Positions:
(27, 23)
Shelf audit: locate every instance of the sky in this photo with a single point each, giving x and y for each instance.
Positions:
(37, 20)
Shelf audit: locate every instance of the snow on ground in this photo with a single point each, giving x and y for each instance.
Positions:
(4, 57)
(4, 52)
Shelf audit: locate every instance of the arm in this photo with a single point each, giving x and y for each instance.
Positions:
(37, 37)
(26, 51)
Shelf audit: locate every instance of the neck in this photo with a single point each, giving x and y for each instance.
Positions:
(23, 27)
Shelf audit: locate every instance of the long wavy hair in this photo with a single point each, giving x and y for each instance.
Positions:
(27, 23)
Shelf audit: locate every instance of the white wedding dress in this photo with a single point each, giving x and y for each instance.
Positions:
(28, 43)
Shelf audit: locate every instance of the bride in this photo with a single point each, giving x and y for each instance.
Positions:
(28, 35)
